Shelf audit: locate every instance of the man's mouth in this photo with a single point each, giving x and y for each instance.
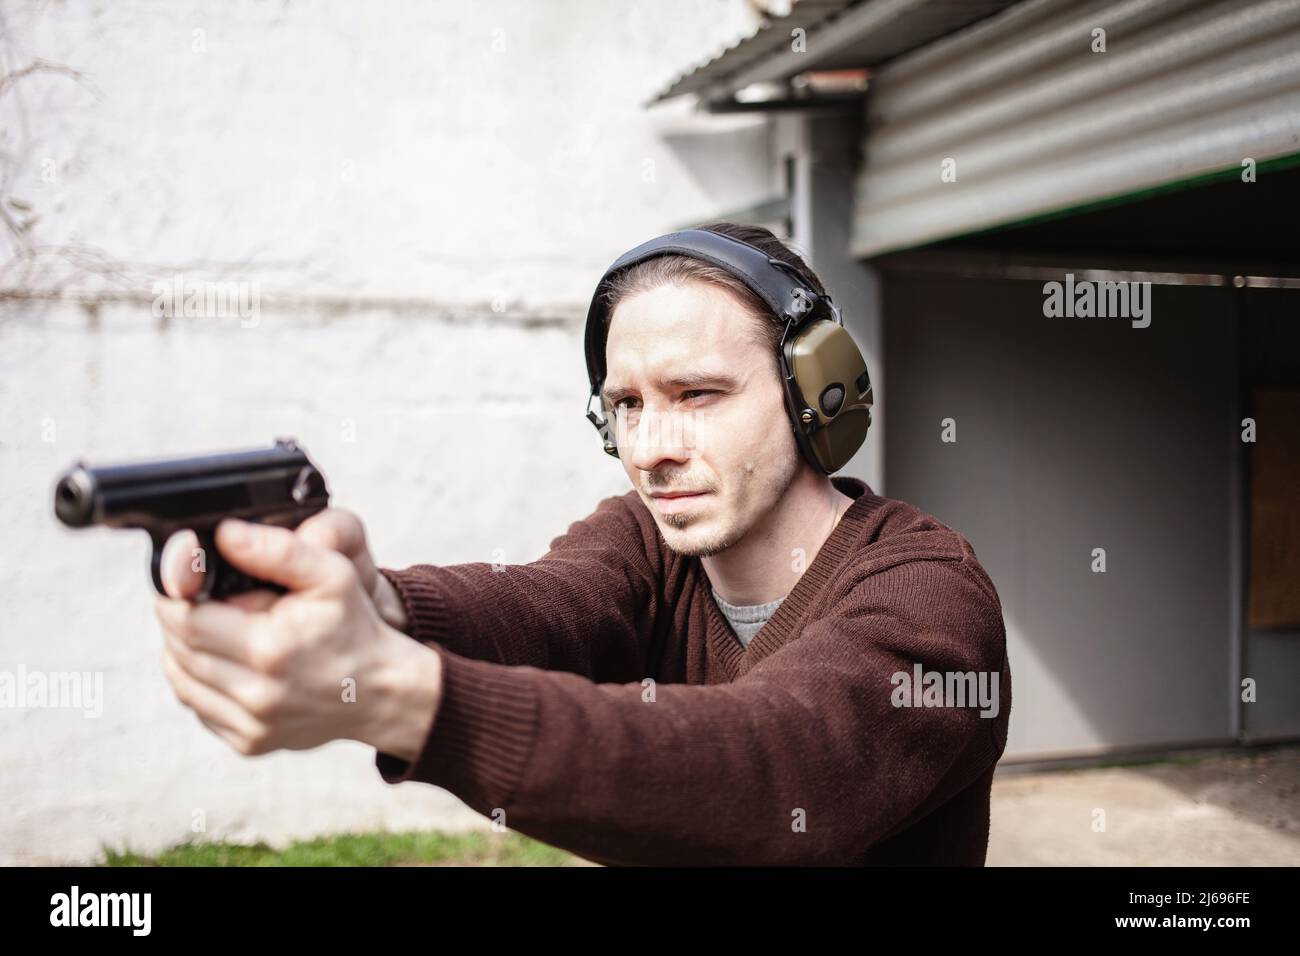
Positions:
(671, 502)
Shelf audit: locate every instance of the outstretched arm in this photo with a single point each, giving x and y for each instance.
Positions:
(587, 606)
(804, 759)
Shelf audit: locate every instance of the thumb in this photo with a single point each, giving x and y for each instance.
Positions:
(336, 529)
(278, 555)
(342, 531)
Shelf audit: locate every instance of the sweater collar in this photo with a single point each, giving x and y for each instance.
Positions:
(725, 647)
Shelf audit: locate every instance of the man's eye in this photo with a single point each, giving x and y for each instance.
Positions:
(696, 392)
(621, 403)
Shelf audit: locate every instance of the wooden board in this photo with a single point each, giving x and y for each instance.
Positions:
(1275, 510)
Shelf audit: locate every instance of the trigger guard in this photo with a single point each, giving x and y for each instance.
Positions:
(155, 565)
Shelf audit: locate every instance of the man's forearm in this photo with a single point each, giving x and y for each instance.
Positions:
(581, 608)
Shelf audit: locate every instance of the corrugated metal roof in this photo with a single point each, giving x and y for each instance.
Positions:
(840, 34)
(771, 34)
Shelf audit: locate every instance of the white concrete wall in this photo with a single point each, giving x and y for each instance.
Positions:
(422, 197)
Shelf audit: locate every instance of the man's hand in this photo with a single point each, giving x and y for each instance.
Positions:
(293, 671)
(333, 528)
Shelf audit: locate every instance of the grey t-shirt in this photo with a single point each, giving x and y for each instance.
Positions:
(746, 619)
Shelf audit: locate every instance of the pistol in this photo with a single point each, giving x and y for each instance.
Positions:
(276, 486)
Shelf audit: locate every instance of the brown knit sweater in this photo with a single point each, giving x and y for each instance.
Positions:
(599, 698)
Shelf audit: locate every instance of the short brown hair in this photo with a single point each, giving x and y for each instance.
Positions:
(679, 269)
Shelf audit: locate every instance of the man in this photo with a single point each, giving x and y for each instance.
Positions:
(739, 661)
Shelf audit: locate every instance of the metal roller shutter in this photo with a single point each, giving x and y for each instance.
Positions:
(1037, 123)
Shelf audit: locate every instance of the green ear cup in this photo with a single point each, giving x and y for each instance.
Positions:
(831, 392)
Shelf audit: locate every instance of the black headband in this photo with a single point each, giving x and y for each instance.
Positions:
(777, 283)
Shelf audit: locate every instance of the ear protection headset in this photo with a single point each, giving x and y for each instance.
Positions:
(827, 389)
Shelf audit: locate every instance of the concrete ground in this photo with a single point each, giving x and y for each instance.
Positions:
(1239, 809)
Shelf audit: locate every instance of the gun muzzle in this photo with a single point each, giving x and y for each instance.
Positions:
(74, 497)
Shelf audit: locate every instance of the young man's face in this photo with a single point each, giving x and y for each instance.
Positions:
(699, 408)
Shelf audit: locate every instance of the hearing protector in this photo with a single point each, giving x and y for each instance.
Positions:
(827, 389)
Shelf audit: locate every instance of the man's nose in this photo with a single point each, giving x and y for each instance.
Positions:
(662, 437)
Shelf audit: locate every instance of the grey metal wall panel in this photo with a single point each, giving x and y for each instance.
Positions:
(1075, 434)
(1036, 122)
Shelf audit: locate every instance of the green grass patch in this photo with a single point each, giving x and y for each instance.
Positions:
(475, 848)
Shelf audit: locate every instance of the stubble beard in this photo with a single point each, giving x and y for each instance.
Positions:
(773, 488)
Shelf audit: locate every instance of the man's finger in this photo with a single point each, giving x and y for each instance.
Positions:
(182, 579)
(342, 531)
(211, 705)
(179, 577)
(214, 627)
(337, 529)
(220, 673)
(251, 691)
(278, 554)
(253, 601)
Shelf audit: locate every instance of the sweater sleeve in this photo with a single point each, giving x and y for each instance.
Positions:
(587, 606)
(805, 759)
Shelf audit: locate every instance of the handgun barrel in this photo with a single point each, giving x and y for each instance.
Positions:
(182, 492)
